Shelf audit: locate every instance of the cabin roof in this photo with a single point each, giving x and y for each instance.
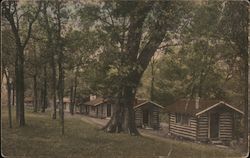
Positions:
(95, 102)
(28, 99)
(188, 106)
(144, 102)
(65, 100)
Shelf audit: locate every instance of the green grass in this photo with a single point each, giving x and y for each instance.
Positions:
(41, 137)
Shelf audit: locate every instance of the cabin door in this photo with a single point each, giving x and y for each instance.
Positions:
(146, 117)
(108, 110)
(214, 125)
(86, 109)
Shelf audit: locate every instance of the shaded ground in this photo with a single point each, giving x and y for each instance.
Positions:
(41, 138)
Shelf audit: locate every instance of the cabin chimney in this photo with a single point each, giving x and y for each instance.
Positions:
(92, 97)
(197, 100)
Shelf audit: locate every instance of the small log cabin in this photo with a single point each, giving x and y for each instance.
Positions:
(28, 101)
(147, 114)
(203, 120)
(97, 107)
(66, 103)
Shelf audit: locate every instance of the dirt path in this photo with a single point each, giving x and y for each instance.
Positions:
(94, 121)
(91, 120)
(160, 134)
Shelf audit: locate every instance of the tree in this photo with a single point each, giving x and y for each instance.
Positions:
(60, 44)
(134, 30)
(8, 67)
(51, 49)
(11, 13)
(234, 28)
(9, 95)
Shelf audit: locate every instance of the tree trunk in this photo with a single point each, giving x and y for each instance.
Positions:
(9, 102)
(41, 98)
(123, 116)
(60, 63)
(20, 84)
(246, 69)
(13, 94)
(54, 84)
(152, 80)
(45, 90)
(60, 91)
(9, 98)
(116, 121)
(71, 99)
(74, 93)
(17, 88)
(35, 93)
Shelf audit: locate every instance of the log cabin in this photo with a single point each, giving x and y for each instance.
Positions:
(66, 104)
(203, 120)
(97, 107)
(28, 101)
(147, 114)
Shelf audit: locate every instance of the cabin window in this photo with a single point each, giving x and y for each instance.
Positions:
(178, 118)
(182, 119)
(101, 109)
(185, 119)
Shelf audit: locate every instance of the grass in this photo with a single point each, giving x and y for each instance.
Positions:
(41, 137)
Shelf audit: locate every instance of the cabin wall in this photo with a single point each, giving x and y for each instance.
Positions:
(138, 117)
(67, 107)
(186, 131)
(102, 111)
(225, 128)
(154, 121)
(92, 111)
(202, 127)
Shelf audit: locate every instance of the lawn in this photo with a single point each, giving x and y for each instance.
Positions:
(41, 137)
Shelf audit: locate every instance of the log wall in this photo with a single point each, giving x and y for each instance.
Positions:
(154, 116)
(203, 127)
(225, 128)
(186, 131)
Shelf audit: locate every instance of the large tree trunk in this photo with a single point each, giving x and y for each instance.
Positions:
(115, 125)
(123, 116)
(140, 58)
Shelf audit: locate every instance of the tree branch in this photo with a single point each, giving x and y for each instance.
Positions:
(31, 23)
